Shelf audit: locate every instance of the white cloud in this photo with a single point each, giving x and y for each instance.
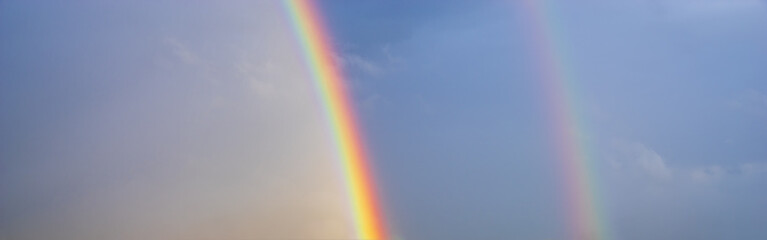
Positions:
(182, 51)
(707, 8)
(714, 173)
(751, 169)
(751, 102)
(633, 157)
(652, 163)
(263, 77)
(638, 156)
(358, 62)
(707, 174)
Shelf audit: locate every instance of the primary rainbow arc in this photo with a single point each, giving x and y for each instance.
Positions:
(331, 87)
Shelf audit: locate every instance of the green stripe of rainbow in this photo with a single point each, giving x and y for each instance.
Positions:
(318, 50)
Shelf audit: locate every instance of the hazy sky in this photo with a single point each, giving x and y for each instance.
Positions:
(198, 119)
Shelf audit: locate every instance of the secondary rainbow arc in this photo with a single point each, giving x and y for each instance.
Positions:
(568, 128)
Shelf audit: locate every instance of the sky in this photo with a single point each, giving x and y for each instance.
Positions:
(199, 120)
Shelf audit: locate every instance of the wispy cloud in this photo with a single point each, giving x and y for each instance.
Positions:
(634, 155)
(357, 62)
(709, 8)
(707, 174)
(751, 102)
(636, 158)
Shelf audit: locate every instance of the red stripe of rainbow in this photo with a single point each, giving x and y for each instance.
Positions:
(315, 41)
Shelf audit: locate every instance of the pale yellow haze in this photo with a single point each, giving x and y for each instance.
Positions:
(221, 137)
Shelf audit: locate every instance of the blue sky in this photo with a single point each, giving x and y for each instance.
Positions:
(172, 120)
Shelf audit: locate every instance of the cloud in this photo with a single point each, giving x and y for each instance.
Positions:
(182, 51)
(752, 169)
(644, 193)
(362, 64)
(707, 174)
(652, 163)
(708, 8)
(717, 173)
(638, 156)
(751, 102)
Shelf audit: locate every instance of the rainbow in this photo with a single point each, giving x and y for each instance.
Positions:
(318, 50)
(578, 170)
